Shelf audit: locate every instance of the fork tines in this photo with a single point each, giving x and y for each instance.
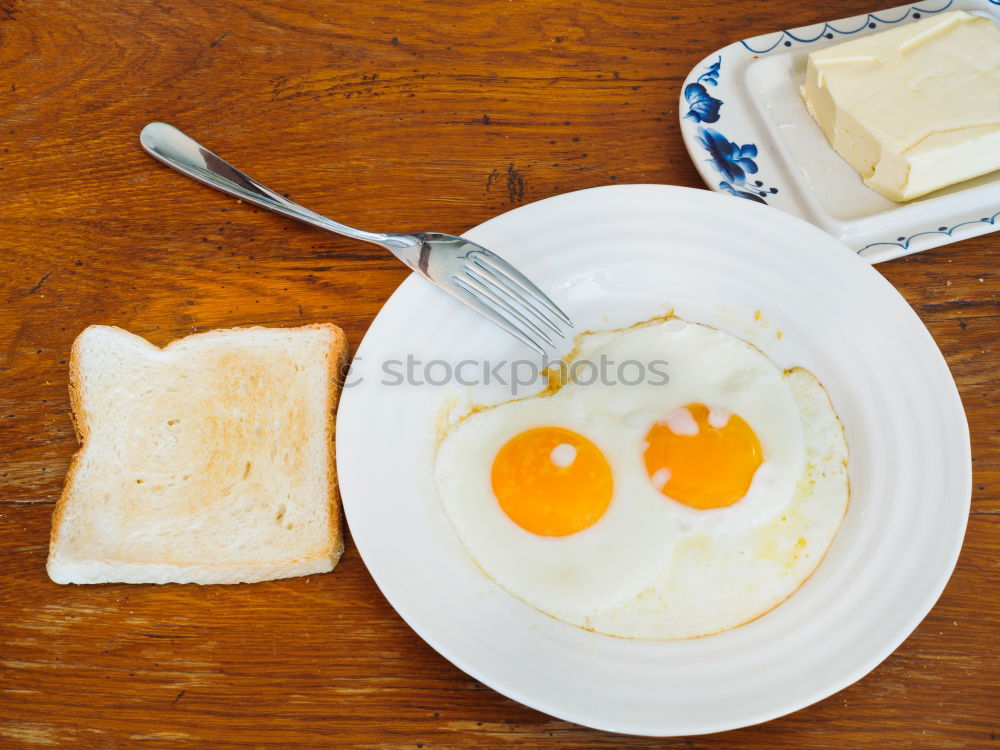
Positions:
(500, 292)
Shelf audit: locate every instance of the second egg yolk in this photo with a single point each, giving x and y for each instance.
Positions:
(552, 481)
(704, 458)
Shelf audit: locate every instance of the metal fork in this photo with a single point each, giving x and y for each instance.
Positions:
(469, 272)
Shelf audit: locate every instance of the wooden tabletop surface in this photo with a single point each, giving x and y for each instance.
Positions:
(386, 115)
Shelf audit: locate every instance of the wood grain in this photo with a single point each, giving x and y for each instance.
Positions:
(389, 116)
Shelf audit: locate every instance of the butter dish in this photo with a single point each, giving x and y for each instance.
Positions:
(748, 131)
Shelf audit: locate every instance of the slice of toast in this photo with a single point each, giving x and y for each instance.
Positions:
(208, 461)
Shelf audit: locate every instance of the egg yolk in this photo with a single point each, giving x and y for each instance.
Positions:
(552, 481)
(702, 457)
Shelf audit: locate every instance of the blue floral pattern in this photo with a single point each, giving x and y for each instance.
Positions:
(732, 190)
(732, 161)
(704, 107)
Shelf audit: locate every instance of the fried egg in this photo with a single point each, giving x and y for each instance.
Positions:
(677, 504)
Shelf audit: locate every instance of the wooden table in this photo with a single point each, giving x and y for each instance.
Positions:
(425, 115)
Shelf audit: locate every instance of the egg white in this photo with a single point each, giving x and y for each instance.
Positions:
(651, 567)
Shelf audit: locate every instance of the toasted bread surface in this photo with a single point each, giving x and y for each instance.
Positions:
(208, 461)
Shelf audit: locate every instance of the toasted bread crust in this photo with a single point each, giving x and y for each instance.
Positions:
(338, 363)
(81, 427)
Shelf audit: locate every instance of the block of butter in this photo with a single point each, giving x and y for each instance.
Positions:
(914, 108)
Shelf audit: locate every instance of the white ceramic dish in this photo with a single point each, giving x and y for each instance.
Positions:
(612, 256)
(762, 122)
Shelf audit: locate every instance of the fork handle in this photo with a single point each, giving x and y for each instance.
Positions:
(175, 149)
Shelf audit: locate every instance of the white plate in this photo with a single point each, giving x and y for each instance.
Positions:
(612, 256)
(762, 118)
